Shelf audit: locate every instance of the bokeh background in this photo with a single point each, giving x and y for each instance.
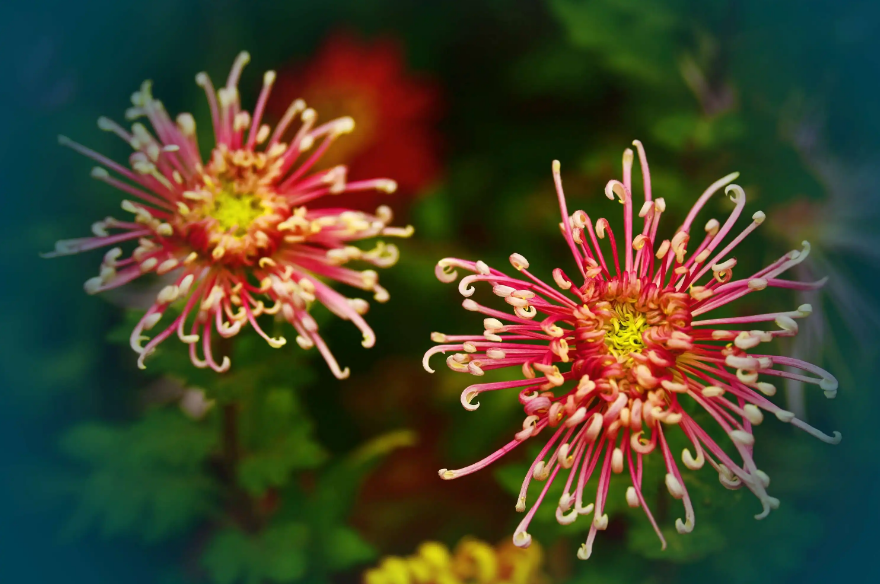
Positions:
(108, 472)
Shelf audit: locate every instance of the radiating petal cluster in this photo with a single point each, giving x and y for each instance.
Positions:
(233, 234)
(614, 358)
(472, 562)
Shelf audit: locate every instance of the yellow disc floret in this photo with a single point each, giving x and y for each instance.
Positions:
(235, 210)
(623, 334)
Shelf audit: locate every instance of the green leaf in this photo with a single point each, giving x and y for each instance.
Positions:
(680, 548)
(332, 545)
(272, 467)
(149, 478)
(432, 214)
(341, 482)
(277, 554)
(277, 438)
(612, 567)
(338, 486)
(676, 130)
(682, 129)
(345, 547)
(629, 40)
(775, 547)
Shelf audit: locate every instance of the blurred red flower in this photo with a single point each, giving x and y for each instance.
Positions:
(396, 112)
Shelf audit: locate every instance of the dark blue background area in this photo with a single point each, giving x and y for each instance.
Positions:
(66, 63)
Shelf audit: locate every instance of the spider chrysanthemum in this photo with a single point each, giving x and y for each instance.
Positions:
(233, 233)
(616, 358)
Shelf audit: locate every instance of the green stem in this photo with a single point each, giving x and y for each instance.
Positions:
(242, 508)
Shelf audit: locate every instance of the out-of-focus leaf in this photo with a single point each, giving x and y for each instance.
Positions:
(432, 213)
(675, 130)
(612, 568)
(277, 437)
(332, 545)
(148, 478)
(277, 554)
(345, 547)
(687, 128)
(272, 467)
(557, 69)
(338, 486)
(629, 38)
(643, 540)
(775, 548)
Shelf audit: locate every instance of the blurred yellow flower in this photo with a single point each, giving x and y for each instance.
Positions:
(472, 562)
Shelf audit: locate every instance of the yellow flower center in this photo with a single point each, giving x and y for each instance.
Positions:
(623, 334)
(235, 210)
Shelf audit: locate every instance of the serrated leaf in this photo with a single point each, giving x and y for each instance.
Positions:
(148, 478)
(278, 554)
(324, 508)
(652, 35)
(272, 466)
(277, 438)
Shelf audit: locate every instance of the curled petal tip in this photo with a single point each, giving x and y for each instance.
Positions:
(522, 539)
(615, 187)
(683, 526)
(224, 365)
(828, 385)
(609, 192)
(277, 342)
(445, 271)
(467, 397)
(465, 288)
(738, 193)
(429, 353)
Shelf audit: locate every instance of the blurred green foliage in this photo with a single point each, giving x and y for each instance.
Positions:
(276, 554)
(146, 478)
(279, 435)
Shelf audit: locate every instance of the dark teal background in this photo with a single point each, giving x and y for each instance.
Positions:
(66, 63)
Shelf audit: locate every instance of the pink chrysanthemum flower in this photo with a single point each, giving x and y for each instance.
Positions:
(610, 364)
(235, 233)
